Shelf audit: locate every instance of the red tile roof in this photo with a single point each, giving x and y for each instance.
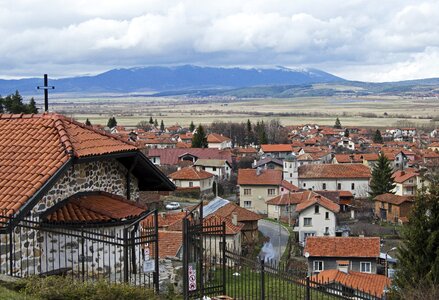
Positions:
(334, 171)
(265, 177)
(393, 199)
(34, 147)
(95, 207)
(289, 186)
(343, 246)
(290, 198)
(217, 138)
(315, 198)
(267, 148)
(244, 215)
(372, 284)
(190, 173)
(402, 176)
(170, 243)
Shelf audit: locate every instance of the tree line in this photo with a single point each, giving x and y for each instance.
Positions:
(13, 104)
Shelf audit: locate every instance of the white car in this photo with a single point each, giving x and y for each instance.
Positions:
(173, 205)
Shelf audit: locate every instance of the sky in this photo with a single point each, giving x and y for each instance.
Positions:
(386, 40)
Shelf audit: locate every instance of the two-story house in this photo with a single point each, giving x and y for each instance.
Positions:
(393, 208)
(221, 168)
(316, 217)
(256, 186)
(405, 182)
(358, 254)
(218, 141)
(190, 177)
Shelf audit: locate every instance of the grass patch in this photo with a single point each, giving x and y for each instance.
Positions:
(7, 294)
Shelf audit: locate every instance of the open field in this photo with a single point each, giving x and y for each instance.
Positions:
(365, 111)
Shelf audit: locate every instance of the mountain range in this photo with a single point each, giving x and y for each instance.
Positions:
(208, 81)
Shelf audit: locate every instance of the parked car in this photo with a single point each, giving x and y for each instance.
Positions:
(173, 205)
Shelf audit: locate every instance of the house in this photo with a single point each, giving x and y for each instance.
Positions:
(159, 143)
(332, 177)
(405, 182)
(276, 150)
(393, 208)
(218, 141)
(221, 168)
(342, 198)
(358, 254)
(256, 186)
(171, 157)
(59, 173)
(352, 285)
(316, 217)
(190, 177)
(346, 143)
(284, 205)
(268, 163)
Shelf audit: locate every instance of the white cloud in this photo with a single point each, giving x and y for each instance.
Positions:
(358, 39)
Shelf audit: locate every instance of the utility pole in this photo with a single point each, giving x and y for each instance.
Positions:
(46, 88)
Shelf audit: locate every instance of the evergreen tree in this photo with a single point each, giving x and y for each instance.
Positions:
(337, 124)
(162, 126)
(377, 138)
(156, 124)
(346, 133)
(112, 122)
(263, 138)
(1, 104)
(32, 107)
(418, 255)
(192, 126)
(382, 181)
(87, 122)
(199, 140)
(151, 121)
(249, 125)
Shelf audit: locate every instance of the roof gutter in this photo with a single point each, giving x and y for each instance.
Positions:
(26, 208)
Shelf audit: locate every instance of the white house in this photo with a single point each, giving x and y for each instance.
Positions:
(190, 178)
(221, 168)
(346, 143)
(218, 141)
(316, 217)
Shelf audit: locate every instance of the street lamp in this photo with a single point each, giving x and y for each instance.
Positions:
(387, 264)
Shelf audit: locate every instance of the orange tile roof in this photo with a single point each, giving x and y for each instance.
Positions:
(190, 173)
(323, 246)
(290, 198)
(373, 284)
(334, 171)
(265, 177)
(393, 199)
(95, 207)
(402, 176)
(170, 243)
(289, 186)
(244, 215)
(276, 148)
(315, 198)
(217, 138)
(34, 147)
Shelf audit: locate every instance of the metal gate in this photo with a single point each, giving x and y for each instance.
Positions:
(204, 247)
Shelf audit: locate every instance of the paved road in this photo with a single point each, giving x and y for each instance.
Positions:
(270, 250)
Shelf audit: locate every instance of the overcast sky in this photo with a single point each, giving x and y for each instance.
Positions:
(384, 40)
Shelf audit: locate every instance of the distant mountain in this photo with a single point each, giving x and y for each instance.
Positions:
(162, 79)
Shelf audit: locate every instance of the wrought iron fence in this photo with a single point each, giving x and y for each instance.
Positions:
(125, 252)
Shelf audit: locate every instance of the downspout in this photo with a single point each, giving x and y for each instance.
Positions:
(128, 178)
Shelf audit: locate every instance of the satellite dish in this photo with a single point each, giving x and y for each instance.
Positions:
(306, 254)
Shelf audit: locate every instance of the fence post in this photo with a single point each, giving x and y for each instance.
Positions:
(82, 253)
(125, 255)
(307, 291)
(185, 259)
(224, 257)
(11, 250)
(262, 280)
(156, 262)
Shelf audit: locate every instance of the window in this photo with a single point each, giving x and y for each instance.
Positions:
(247, 192)
(276, 208)
(291, 165)
(324, 186)
(390, 207)
(365, 267)
(338, 186)
(291, 174)
(271, 192)
(327, 215)
(307, 221)
(304, 184)
(353, 186)
(316, 209)
(326, 230)
(247, 204)
(307, 234)
(214, 169)
(191, 184)
(318, 266)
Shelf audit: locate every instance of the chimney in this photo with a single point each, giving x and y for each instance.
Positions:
(258, 171)
(255, 162)
(235, 218)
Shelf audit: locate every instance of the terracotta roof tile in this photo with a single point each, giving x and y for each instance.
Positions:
(402, 176)
(172, 156)
(334, 171)
(393, 199)
(372, 284)
(34, 147)
(315, 198)
(267, 148)
(190, 173)
(290, 198)
(265, 177)
(170, 243)
(95, 207)
(244, 215)
(217, 138)
(343, 246)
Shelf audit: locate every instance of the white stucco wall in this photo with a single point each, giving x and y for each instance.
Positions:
(319, 222)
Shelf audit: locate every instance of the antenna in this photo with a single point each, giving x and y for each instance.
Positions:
(46, 88)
